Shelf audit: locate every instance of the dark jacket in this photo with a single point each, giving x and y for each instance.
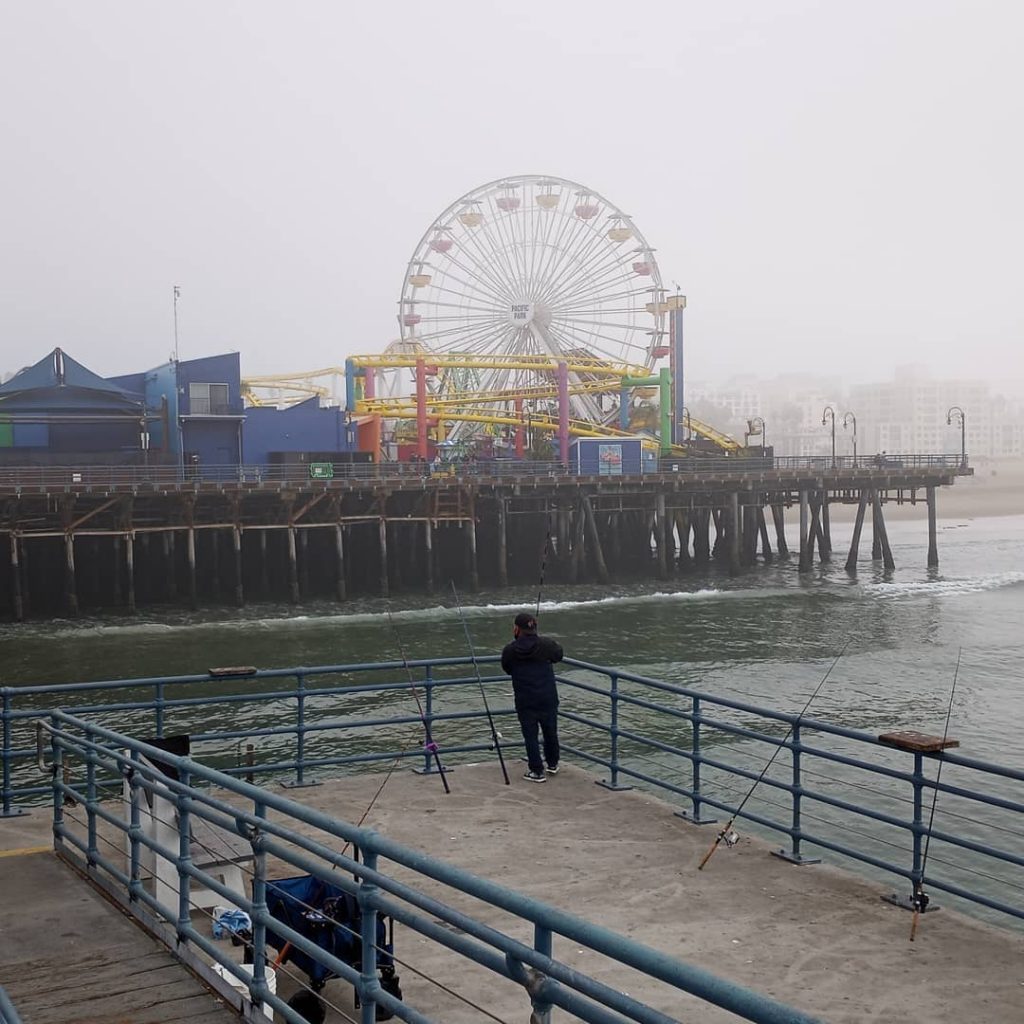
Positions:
(528, 660)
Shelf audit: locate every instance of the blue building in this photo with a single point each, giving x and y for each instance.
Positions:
(58, 412)
(269, 434)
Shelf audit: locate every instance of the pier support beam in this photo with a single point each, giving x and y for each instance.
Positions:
(117, 571)
(883, 536)
(858, 524)
(167, 543)
(16, 602)
(70, 587)
(190, 541)
(595, 539)
(470, 528)
(236, 543)
(129, 569)
(933, 546)
(805, 551)
(428, 553)
(661, 536)
(825, 549)
(502, 542)
(734, 533)
(293, 567)
(779, 517)
(264, 568)
(577, 543)
(339, 554)
(762, 529)
(303, 564)
(382, 535)
(876, 530)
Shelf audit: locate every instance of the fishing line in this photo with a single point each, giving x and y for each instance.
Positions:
(430, 746)
(920, 899)
(495, 736)
(727, 834)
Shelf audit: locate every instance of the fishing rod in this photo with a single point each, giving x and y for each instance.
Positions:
(920, 898)
(495, 735)
(727, 834)
(430, 746)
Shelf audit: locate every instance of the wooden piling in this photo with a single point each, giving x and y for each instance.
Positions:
(167, 543)
(382, 534)
(129, 569)
(876, 530)
(117, 571)
(858, 524)
(887, 560)
(933, 545)
(502, 542)
(762, 529)
(293, 566)
(339, 564)
(805, 551)
(70, 586)
(190, 540)
(428, 553)
(470, 528)
(214, 563)
(779, 517)
(595, 541)
(264, 568)
(577, 543)
(817, 531)
(236, 543)
(16, 602)
(826, 529)
(660, 536)
(734, 533)
(303, 536)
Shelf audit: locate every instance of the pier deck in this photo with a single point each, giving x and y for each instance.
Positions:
(67, 955)
(814, 937)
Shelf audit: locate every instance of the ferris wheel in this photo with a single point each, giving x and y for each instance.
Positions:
(536, 266)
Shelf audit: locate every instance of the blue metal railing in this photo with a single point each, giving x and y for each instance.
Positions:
(841, 790)
(8, 1013)
(366, 874)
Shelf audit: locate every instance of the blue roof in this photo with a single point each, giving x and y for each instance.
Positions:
(59, 370)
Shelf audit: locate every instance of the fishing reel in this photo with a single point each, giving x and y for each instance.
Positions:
(729, 836)
(919, 901)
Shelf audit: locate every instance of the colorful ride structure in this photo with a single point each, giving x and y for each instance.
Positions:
(531, 307)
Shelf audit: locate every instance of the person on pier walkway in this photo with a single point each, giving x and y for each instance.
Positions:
(529, 660)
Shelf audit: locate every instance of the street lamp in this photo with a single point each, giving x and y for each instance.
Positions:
(956, 411)
(846, 418)
(828, 413)
(751, 432)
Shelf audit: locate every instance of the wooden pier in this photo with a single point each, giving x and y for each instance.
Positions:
(94, 543)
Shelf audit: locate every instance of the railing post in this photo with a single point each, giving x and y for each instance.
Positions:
(158, 703)
(57, 762)
(134, 829)
(300, 736)
(693, 816)
(368, 983)
(6, 810)
(613, 694)
(793, 853)
(542, 944)
(92, 850)
(259, 988)
(918, 825)
(428, 717)
(184, 857)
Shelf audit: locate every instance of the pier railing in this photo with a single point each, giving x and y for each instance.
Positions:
(160, 814)
(832, 788)
(8, 1012)
(176, 477)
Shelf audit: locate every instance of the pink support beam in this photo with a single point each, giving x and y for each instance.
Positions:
(520, 431)
(563, 413)
(421, 409)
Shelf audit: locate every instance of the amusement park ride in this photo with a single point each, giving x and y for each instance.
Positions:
(531, 304)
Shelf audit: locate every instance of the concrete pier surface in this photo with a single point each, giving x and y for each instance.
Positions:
(815, 937)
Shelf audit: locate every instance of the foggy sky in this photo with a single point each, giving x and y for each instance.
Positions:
(837, 187)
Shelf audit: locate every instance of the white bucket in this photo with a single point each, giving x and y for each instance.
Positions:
(239, 986)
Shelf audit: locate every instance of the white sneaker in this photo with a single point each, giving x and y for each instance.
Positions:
(535, 777)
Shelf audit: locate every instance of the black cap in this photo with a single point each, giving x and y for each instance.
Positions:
(524, 620)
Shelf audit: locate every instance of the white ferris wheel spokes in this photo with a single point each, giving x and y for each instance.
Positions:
(535, 266)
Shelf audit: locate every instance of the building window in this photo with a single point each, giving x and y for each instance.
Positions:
(208, 399)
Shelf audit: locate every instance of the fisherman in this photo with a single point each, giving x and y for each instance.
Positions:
(528, 660)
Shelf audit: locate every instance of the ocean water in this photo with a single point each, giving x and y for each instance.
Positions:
(766, 637)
